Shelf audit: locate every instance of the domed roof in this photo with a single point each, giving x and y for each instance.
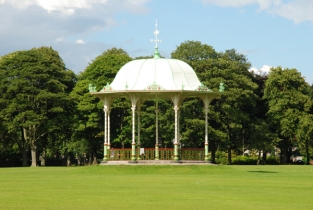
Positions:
(156, 74)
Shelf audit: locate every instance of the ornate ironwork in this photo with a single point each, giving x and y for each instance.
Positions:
(192, 154)
(107, 87)
(154, 86)
(164, 154)
(222, 88)
(92, 88)
(202, 87)
(120, 154)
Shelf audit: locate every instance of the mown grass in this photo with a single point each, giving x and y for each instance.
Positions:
(157, 187)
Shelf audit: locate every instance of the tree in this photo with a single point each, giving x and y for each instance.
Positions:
(304, 134)
(288, 99)
(231, 112)
(89, 110)
(34, 86)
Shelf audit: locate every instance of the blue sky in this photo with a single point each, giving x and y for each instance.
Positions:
(268, 32)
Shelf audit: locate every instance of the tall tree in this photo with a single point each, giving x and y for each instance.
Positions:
(34, 86)
(89, 115)
(230, 113)
(288, 97)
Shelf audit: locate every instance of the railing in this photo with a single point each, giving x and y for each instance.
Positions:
(164, 154)
(192, 153)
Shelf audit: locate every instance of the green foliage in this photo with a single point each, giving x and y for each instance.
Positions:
(44, 106)
(230, 116)
(104, 67)
(272, 160)
(244, 160)
(221, 158)
(34, 86)
(88, 126)
(289, 102)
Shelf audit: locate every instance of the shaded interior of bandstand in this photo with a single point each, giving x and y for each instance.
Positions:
(173, 151)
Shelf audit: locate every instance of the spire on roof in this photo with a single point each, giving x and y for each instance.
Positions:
(156, 40)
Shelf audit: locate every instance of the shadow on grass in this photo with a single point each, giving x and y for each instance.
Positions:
(269, 172)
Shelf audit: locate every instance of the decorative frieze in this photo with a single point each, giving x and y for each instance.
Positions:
(154, 86)
(202, 87)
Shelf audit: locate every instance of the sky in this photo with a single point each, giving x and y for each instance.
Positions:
(269, 32)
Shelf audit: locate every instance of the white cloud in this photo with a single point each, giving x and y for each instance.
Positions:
(80, 41)
(264, 4)
(69, 7)
(63, 24)
(60, 39)
(265, 70)
(296, 10)
(64, 6)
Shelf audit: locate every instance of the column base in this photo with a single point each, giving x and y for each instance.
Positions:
(133, 161)
(176, 155)
(156, 156)
(207, 161)
(138, 152)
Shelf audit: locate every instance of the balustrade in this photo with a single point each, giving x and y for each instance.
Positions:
(164, 154)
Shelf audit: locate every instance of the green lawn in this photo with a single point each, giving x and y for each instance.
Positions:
(157, 187)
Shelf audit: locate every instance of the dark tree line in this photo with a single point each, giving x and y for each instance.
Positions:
(46, 111)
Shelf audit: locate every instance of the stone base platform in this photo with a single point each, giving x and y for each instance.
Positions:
(156, 162)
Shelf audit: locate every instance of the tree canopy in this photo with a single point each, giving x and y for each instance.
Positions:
(34, 86)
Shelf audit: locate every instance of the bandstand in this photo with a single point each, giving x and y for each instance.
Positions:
(154, 78)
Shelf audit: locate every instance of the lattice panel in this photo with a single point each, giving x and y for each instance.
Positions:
(192, 154)
(164, 154)
(149, 154)
(120, 154)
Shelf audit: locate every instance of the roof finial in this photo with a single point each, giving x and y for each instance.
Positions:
(156, 40)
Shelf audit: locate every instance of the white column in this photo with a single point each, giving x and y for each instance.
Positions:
(109, 128)
(176, 101)
(206, 102)
(138, 133)
(105, 109)
(157, 129)
(133, 158)
(176, 158)
(134, 99)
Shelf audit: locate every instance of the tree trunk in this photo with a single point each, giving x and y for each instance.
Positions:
(213, 156)
(90, 158)
(43, 157)
(68, 162)
(33, 154)
(283, 152)
(288, 155)
(78, 160)
(24, 156)
(22, 147)
(95, 162)
(264, 158)
(307, 152)
(259, 157)
(229, 156)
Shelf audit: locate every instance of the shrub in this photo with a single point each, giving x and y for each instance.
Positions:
(221, 158)
(243, 160)
(272, 160)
